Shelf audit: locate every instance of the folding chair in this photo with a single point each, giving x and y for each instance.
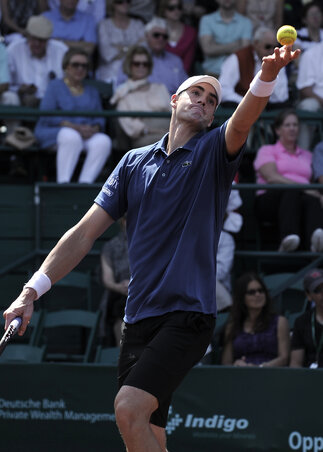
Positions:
(61, 345)
(78, 280)
(107, 355)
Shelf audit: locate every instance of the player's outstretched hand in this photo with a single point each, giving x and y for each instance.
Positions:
(22, 307)
(272, 64)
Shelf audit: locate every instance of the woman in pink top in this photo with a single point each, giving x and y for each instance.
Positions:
(299, 213)
(182, 39)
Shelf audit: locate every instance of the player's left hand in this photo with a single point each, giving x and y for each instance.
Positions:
(272, 64)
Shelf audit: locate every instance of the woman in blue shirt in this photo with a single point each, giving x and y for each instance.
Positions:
(72, 135)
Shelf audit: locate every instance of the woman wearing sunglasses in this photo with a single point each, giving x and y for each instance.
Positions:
(255, 335)
(116, 34)
(137, 93)
(71, 135)
(182, 38)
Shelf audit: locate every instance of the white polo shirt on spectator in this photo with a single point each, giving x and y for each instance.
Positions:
(26, 69)
(310, 71)
(230, 76)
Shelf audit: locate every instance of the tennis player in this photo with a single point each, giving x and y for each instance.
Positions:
(175, 193)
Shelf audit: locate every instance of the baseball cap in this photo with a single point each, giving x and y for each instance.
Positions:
(196, 79)
(39, 27)
(313, 279)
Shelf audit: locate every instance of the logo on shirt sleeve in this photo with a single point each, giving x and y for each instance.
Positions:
(107, 191)
(113, 181)
(187, 163)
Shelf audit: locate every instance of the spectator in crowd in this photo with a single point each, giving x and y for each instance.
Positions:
(318, 164)
(312, 32)
(221, 33)
(225, 253)
(309, 82)
(116, 34)
(143, 9)
(73, 134)
(137, 93)
(307, 338)
(238, 70)
(255, 335)
(299, 213)
(75, 28)
(193, 10)
(15, 15)
(97, 8)
(262, 12)
(167, 67)
(34, 61)
(115, 278)
(7, 97)
(182, 38)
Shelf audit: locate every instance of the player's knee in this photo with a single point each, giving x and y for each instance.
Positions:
(131, 411)
(125, 413)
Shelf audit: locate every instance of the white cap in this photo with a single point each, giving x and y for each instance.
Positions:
(196, 79)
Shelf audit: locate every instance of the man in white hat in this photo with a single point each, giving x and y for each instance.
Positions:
(175, 193)
(34, 61)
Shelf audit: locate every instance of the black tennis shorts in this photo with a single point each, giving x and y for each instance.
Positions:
(157, 353)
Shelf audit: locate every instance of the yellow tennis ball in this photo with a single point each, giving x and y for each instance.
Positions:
(286, 35)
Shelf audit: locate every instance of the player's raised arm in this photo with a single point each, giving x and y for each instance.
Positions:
(66, 255)
(255, 100)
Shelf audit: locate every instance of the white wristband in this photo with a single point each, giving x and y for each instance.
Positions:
(40, 283)
(260, 88)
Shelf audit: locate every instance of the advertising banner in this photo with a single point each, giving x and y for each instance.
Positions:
(58, 408)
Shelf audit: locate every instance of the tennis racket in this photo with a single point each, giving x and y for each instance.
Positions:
(10, 332)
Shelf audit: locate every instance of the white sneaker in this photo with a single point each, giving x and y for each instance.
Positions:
(289, 243)
(317, 241)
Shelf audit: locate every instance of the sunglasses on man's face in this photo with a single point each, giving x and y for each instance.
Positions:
(157, 35)
(140, 63)
(76, 65)
(173, 7)
(120, 2)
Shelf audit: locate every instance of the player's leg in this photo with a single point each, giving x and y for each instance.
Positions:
(156, 354)
(133, 409)
(160, 435)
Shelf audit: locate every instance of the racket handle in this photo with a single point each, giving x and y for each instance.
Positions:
(15, 324)
(10, 331)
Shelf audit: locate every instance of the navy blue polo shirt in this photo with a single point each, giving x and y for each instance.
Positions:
(176, 205)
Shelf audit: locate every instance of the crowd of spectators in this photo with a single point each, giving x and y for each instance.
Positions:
(225, 38)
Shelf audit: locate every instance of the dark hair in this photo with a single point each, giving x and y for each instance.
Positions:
(239, 310)
(70, 53)
(308, 6)
(136, 50)
(163, 5)
(280, 118)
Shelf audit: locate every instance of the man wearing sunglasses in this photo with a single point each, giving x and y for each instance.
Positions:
(307, 338)
(238, 70)
(175, 194)
(167, 67)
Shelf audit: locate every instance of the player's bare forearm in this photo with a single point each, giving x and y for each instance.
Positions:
(251, 106)
(76, 243)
